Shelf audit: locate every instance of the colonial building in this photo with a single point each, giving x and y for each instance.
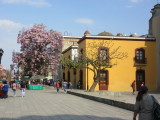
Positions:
(141, 64)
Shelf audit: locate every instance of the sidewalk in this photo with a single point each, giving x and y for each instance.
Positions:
(123, 100)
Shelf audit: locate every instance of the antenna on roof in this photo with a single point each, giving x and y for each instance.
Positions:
(66, 33)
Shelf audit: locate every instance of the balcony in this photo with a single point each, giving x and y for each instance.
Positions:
(138, 62)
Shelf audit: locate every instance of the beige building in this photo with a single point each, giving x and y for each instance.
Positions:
(154, 30)
(69, 40)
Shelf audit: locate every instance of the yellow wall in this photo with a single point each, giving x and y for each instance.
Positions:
(124, 73)
(74, 83)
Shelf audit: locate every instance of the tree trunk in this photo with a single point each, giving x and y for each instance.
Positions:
(93, 86)
(96, 80)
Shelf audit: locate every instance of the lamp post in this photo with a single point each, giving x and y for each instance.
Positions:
(1, 53)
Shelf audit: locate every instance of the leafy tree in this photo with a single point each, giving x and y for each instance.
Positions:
(95, 60)
(8, 75)
(40, 51)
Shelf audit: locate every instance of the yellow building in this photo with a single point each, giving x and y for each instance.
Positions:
(70, 75)
(141, 64)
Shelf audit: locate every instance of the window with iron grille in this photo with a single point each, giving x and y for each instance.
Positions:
(103, 54)
(140, 56)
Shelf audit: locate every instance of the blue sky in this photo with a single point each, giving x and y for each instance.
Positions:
(71, 17)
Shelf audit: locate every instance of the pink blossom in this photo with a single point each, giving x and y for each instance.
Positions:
(37, 49)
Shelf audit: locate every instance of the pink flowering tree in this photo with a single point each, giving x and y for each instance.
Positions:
(40, 51)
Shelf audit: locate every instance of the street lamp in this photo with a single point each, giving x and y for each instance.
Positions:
(1, 53)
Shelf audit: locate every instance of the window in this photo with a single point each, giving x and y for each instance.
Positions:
(81, 53)
(103, 54)
(140, 56)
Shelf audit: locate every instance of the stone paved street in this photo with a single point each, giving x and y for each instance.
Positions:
(49, 105)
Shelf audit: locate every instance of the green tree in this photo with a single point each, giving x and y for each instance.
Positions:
(8, 75)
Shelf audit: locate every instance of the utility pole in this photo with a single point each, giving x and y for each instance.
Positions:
(1, 53)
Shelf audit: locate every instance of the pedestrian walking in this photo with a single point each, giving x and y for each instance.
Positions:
(14, 87)
(57, 85)
(5, 89)
(23, 88)
(62, 84)
(79, 84)
(143, 105)
(65, 83)
(133, 85)
(70, 85)
(1, 90)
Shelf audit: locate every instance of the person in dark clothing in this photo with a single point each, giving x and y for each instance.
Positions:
(133, 85)
(5, 89)
(57, 86)
(144, 105)
(14, 87)
(23, 88)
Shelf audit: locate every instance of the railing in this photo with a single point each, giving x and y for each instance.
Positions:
(140, 62)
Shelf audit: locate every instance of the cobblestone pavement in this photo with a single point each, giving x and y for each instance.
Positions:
(49, 105)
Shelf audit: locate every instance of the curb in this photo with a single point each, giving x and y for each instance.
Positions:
(127, 106)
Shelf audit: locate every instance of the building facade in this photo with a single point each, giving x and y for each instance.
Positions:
(141, 64)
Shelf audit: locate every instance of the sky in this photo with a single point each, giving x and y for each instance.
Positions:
(71, 17)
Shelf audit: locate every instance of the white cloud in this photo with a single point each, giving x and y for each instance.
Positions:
(8, 25)
(85, 21)
(29, 2)
(135, 1)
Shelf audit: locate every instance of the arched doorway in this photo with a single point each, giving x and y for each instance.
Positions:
(74, 73)
(104, 80)
(81, 79)
(63, 76)
(140, 77)
(68, 76)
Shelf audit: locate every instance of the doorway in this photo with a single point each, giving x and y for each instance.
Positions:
(140, 77)
(103, 81)
(81, 79)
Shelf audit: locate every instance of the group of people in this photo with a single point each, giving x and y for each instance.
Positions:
(133, 85)
(63, 84)
(4, 88)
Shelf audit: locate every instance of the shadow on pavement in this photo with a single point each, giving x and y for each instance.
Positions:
(63, 117)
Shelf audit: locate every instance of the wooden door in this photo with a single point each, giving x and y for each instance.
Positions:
(140, 77)
(103, 82)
